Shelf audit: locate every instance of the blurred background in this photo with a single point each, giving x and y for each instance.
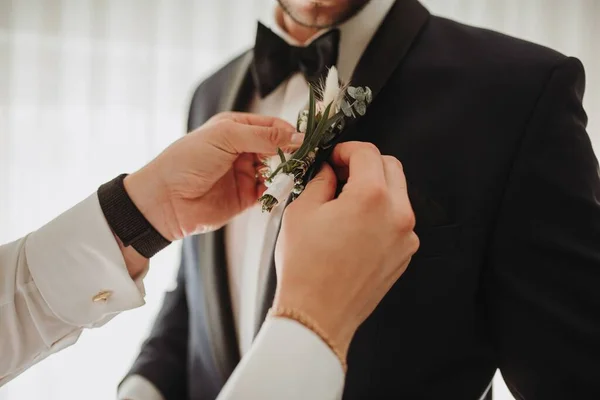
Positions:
(93, 88)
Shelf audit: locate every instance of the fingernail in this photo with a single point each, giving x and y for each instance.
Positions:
(297, 138)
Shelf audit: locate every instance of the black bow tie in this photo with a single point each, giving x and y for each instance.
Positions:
(275, 60)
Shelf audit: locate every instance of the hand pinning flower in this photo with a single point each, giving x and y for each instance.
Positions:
(321, 123)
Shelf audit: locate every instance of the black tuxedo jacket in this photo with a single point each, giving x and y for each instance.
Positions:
(506, 191)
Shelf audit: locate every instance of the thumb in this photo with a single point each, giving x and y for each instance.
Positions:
(242, 138)
(321, 188)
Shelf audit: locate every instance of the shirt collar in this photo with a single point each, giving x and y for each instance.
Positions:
(355, 33)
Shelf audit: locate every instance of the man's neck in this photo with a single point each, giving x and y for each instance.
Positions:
(298, 32)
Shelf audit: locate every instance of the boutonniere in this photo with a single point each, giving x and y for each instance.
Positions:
(330, 103)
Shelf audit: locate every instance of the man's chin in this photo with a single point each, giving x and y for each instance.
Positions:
(320, 13)
(308, 18)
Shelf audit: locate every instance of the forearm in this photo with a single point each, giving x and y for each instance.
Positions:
(134, 208)
(64, 277)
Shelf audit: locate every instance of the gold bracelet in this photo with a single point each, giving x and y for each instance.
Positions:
(301, 317)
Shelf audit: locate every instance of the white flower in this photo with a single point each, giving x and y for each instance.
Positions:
(303, 123)
(331, 92)
(281, 187)
(303, 126)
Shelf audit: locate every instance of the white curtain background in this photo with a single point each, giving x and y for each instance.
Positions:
(93, 88)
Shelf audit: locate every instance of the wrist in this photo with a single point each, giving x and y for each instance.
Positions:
(308, 322)
(335, 331)
(151, 197)
(134, 261)
(126, 220)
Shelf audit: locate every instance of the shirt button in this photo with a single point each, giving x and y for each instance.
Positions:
(102, 296)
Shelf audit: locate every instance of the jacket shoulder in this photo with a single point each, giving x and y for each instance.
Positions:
(208, 94)
(471, 46)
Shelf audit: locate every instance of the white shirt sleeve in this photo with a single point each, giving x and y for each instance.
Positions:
(68, 275)
(136, 387)
(286, 361)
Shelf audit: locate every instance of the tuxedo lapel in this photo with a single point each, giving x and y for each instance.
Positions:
(267, 292)
(382, 57)
(390, 44)
(220, 327)
(218, 316)
(238, 90)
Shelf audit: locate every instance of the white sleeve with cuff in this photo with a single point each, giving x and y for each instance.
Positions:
(52, 285)
(286, 361)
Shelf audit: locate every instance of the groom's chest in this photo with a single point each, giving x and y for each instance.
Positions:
(456, 148)
(456, 143)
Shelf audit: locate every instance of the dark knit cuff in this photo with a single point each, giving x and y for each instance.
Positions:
(126, 221)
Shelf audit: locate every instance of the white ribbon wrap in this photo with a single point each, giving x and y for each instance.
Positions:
(281, 187)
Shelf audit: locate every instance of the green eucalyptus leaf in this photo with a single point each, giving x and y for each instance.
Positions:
(351, 91)
(368, 95)
(346, 108)
(360, 107)
(360, 94)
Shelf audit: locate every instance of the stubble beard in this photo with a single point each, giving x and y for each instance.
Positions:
(354, 7)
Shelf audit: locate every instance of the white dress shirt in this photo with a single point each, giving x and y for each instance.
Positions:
(250, 239)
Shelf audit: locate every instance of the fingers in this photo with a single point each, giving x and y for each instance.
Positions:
(396, 182)
(266, 140)
(368, 170)
(247, 185)
(362, 160)
(320, 189)
(252, 119)
(238, 138)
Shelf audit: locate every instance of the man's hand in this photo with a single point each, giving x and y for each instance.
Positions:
(204, 179)
(337, 258)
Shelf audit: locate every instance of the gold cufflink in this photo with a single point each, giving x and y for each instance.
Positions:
(102, 296)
